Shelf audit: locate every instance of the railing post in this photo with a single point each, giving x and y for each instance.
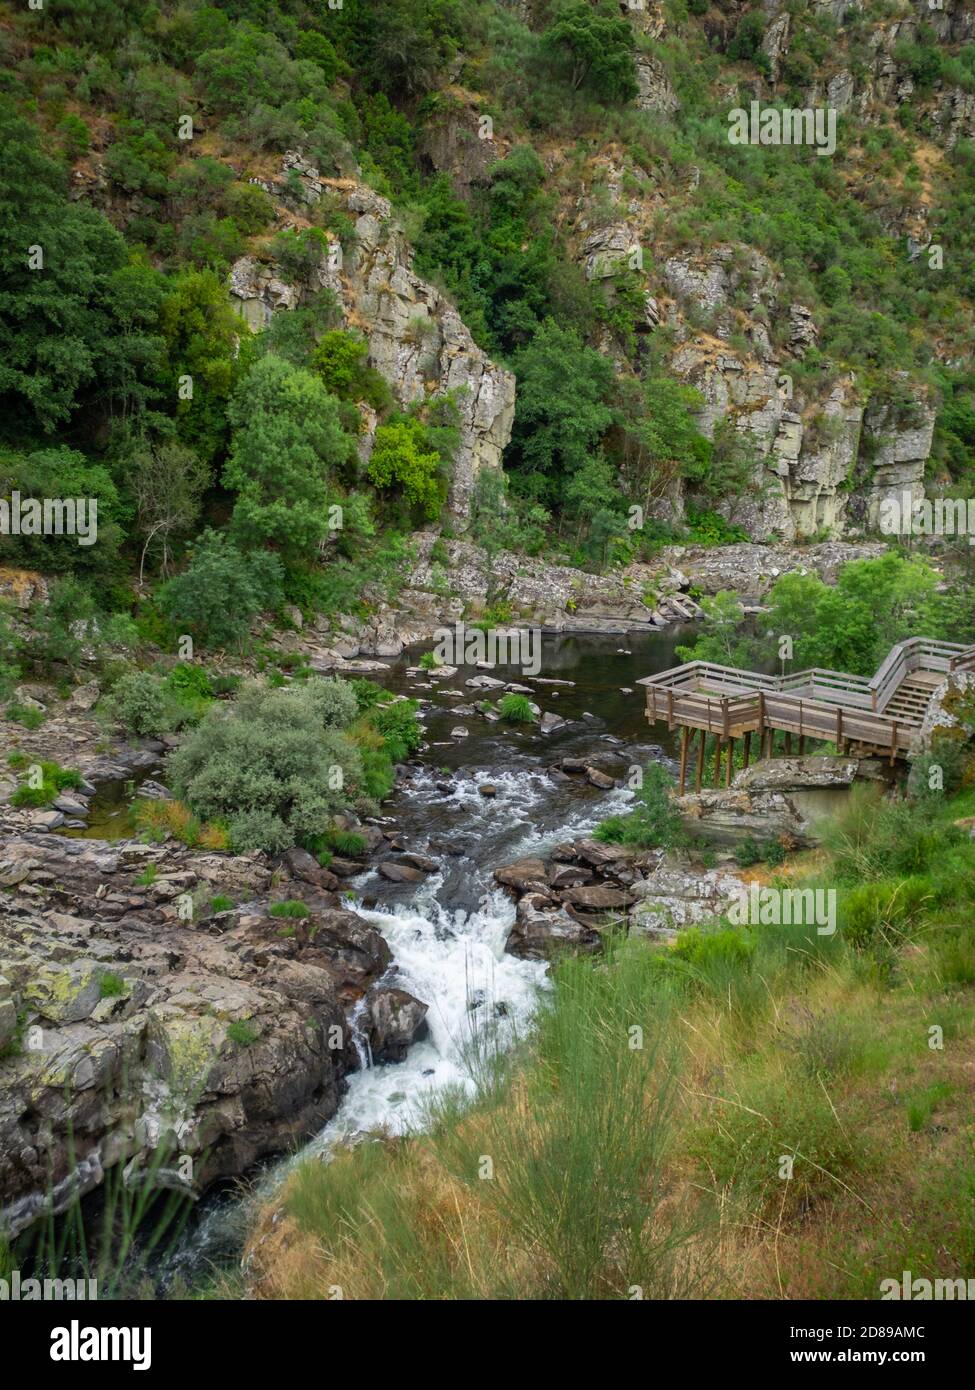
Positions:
(725, 725)
(670, 708)
(839, 729)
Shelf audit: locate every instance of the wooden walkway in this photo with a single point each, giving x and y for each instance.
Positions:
(880, 713)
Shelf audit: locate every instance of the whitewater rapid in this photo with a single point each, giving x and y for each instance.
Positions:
(453, 958)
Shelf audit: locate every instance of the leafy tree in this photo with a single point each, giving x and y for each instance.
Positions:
(400, 457)
(561, 410)
(208, 351)
(852, 625)
(220, 592)
(720, 638)
(594, 47)
(62, 473)
(341, 360)
(287, 444)
(61, 338)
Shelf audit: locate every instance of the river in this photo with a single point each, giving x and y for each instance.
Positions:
(447, 935)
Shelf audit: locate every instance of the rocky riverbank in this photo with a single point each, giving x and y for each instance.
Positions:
(149, 994)
(450, 581)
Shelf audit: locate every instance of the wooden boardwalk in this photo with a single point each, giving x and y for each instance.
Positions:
(880, 713)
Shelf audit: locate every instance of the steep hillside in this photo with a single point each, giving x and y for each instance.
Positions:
(513, 235)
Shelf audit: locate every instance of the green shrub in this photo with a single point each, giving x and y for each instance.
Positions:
(516, 709)
(146, 703)
(221, 903)
(399, 727)
(28, 716)
(221, 591)
(112, 986)
(242, 1032)
(654, 822)
(51, 781)
(292, 908)
(275, 766)
(889, 904)
(346, 842)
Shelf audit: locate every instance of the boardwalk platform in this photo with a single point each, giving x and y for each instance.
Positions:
(880, 714)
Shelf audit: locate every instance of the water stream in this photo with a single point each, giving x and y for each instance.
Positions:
(448, 934)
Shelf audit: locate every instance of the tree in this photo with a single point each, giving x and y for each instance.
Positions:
(341, 360)
(64, 337)
(561, 409)
(720, 638)
(400, 456)
(287, 442)
(221, 591)
(62, 473)
(208, 351)
(852, 625)
(276, 766)
(595, 49)
(168, 483)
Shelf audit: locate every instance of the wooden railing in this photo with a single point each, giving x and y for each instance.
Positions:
(817, 703)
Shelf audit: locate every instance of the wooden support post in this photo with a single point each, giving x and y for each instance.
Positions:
(788, 743)
(746, 746)
(893, 742)
(717, 759)
(802, 744)
(700, 760)
(725, 726)
(684, 736)
(731, 758)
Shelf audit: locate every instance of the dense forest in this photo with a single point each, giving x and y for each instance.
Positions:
(139, 144)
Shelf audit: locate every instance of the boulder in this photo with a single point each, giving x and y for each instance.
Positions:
(542, 930)
(522, 875)
(396, 1020)
(84, 697)
(401, 872)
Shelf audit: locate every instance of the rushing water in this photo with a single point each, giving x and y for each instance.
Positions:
(447, 935)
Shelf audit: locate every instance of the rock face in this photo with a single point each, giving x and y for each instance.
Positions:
(776, 799)
(417, 340)
(138, 1022)
(554, 597)
(950, 715)
(821, 465)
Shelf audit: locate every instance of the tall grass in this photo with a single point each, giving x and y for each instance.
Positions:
(753, 1112)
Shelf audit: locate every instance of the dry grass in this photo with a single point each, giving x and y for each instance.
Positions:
(175, 818)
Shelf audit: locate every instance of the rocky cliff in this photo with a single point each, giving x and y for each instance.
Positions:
(417, 339)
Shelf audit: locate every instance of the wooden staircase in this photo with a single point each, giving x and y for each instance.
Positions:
(911, 698)
(880, 713)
